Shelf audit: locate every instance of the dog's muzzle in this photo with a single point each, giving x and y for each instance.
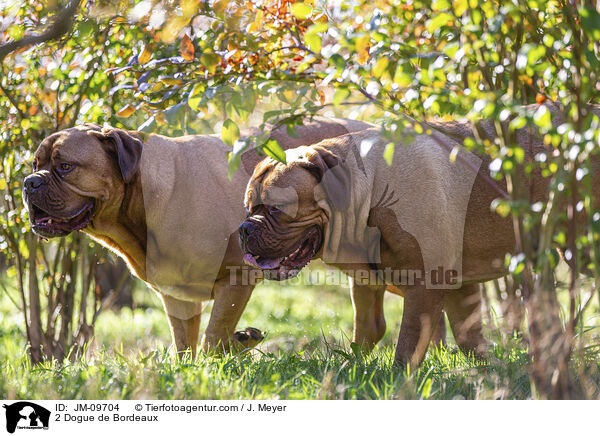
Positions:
(279, 265)
(46, 223)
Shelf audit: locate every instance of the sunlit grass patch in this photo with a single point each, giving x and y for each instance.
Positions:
(307, 354)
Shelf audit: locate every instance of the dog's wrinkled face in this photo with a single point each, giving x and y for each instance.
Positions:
(77, 176)
(286, 218)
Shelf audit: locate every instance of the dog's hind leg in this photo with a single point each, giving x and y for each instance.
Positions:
(369, 320)
(463, 307)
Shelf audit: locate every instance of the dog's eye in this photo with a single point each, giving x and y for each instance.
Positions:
(34, 165)
(64, 167)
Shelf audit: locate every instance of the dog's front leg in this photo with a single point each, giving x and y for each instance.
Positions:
(230, 302)
(421, 316)
(185, 333)
(184, 322)
(369, 320)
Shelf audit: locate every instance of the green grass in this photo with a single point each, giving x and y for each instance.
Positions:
(306, 355)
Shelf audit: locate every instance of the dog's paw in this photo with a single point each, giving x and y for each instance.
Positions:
(250, 337)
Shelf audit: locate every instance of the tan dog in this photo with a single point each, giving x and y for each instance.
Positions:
(423, 224)
(167, 207)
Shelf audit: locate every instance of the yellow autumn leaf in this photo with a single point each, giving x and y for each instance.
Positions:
(219, 7)
(380, 66)
(145, 55)
(170, 81)
(126, 111)
(362, 49)
(186, 48)
(321, 96)
(288, 95)
(257, 23)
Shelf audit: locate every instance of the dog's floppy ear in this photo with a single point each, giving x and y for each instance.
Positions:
(333, 174)
(125, 148)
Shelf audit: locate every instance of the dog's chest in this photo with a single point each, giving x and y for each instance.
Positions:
(192, 210)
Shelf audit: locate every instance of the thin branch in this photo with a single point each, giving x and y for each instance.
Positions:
(290, 47)
(61, 24)
(13, 101)
(7, 293)
(582, 309)
(96, 64)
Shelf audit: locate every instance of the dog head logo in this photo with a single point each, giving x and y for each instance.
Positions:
(26, 415)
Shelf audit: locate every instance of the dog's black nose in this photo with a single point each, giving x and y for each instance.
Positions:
(246, 229)
(33, 182)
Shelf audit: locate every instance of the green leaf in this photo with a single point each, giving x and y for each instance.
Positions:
(85, 27)
(380, 66)
(210, 61)
(234, 160)
(356, 350)
(438, 21)
(230, 132)
(313, 42)
(542, 118)
(517, 123)
(388, 153)
(195, 97)
(440, 5)
(519, 153)
(338, 62)
(501, 207)
(175, 113)
(590, 21)
(312, 37)
(301, 10)
(560, 238)
(460, 6)
(343, 354)
(234, 102)
(274, 150)
(340, 95)
(535, 54)
(402, 78)
(23, 248)
(291, 131)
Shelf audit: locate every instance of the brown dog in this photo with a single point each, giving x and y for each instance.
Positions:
(167, 206)
(423, 224)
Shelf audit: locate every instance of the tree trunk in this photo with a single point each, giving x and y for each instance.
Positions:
(550, 347)
(35, 318)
